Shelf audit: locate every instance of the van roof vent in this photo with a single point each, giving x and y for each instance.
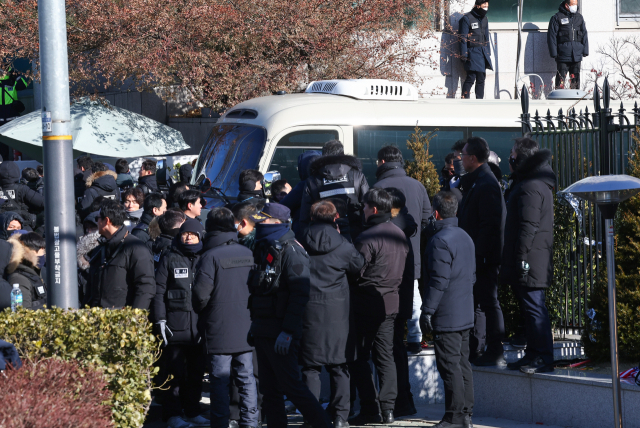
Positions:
(365, 89)
(242, 114)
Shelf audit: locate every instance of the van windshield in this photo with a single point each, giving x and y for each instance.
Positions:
(230, 150)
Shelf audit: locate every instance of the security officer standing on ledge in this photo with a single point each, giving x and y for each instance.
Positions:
(10, 106)
(280, 286)
(568, 42)
(474, 48)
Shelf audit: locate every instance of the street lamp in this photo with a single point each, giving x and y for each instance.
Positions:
(607, 192)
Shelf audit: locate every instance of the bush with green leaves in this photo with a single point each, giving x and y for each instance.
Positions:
(118, 342)
(421, 167)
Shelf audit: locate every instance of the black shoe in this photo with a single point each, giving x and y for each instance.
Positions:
(340, 423)
(489, 359)
(406, 410)
(233, 424)
(414, 347)
(518, 341)
(387, 417)
(474, 356)
(365, 419)
(520, 363)
(445, 424)
(537, 366)
(467, 422)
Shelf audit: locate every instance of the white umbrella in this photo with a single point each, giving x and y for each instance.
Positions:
(99, 129)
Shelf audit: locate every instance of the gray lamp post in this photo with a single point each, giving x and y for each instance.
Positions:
(607, 192)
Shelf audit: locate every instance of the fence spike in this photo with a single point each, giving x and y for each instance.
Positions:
(548, 113)
(560, 112)
(586, 110)
(524, 100)
(606, 94)
(596, 97)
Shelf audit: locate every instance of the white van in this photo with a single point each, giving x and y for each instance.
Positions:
(269, 133)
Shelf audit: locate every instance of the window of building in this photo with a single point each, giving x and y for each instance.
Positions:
(629, 10)
(532, 10)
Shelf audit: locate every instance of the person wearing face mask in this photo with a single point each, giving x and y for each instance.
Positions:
(250, 182)
(474, 48)
(568, 42)
(242, 213)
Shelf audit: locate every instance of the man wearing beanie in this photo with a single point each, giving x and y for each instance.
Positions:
(568, 42)
(474, 48)
(176, 319)
(279, 287)
(220, 297)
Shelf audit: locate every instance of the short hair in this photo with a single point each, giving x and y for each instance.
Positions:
(85, 162)
(278, 187)
(33, 241)
(378, 198)
(97, 203)
(98, 167)
(244, 211)
(446, 204)
(149, 165)
(525, 147)
(398, 199)
(113, 211)
(136, 192)
(458, 145)
(220, 219)
(332, 148)
(390, 154)
(122, 166)
(176, 190)
(449, 158)
(30, 175)
(249, 176)
(40, 169)
(153, 200)
(188, 197)
(171, 220)
(324, 212)
(479, 148)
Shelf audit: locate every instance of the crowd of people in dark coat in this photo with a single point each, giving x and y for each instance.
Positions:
(262, 294)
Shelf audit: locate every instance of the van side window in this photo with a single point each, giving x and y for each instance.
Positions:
(285, 157)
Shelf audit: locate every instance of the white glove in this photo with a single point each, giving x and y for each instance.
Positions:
(163, 330)
(454, 182)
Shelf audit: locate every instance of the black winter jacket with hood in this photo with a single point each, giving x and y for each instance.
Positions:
(449, 275)
(529, 226)
(121, 273)
(7, 251)
(338, 176)
(148, 184)
(221, 294)
(405, 222)
(23, 270)
(567, 37)
(328, 336)
(101, 183)
(392, 174)
(5, 219)
(11, 188)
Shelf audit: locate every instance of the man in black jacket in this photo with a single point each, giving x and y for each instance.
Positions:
(251, 190)
(81, 175)
(475, 48)
(169, 224)
(220, 297)
(279, 294)
(375, 305)
(482, 215)
(11, 188)
(335, 175)
(568, 42)
(391, 173)
(527, 260)
(293, 200)
(147, 180)
(101, 183)
(177, 321)
(122, 271)
(449, 274)
(154, 206)
(328, 338)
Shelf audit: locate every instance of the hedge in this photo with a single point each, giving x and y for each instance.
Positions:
(117, 342)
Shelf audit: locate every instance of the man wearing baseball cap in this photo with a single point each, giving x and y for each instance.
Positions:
(279, 293)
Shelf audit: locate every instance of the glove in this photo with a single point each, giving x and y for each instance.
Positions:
(455, 181)
(250, 340)
(425, 323)
(163, 330)
(524, 271)
(282, 343)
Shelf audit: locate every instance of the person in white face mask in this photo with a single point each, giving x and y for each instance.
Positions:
(568, 43)
(475, 51)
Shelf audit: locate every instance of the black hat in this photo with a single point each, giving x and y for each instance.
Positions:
(479, 2)
(192, 225)
(272, 210)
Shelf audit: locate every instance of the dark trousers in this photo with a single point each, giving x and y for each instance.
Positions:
(488, 320)
(221, 369)
(573, 68)
(452, 361)
(537, 323)
(340, 402)
(405, 397)
(375, 340)
(234, 392)
(280, 374)
(474, 77)
(184, 391)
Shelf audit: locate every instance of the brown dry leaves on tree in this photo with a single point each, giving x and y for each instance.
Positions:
(225, 51)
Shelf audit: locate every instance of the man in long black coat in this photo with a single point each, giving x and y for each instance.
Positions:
(328, 337)
(475, 48)
(527, 260)
(482, 215)
(568, 42)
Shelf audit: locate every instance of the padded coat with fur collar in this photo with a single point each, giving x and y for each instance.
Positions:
(102, 183)
(23, 270)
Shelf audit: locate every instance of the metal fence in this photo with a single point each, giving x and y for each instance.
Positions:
(583, 144)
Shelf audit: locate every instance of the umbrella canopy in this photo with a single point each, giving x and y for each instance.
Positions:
(99, 129)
